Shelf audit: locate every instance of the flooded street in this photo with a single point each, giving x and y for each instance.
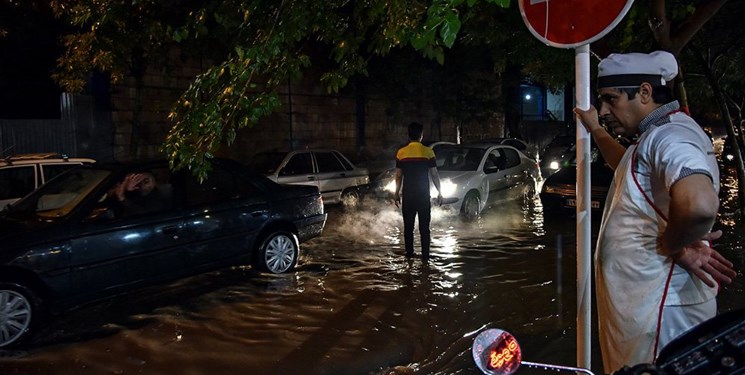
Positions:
(355, 305)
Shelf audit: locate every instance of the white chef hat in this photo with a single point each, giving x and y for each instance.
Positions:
(632, 69)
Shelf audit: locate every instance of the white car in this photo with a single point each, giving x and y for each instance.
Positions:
(22, 174)
(471, 174)
(337, 178)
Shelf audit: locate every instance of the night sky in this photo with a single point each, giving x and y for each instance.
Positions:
(28, 57)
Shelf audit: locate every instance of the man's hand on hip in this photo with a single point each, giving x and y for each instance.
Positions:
(701, 260)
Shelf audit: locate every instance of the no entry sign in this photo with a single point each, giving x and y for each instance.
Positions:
(571, 23)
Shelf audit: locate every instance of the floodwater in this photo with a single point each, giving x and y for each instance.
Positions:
(354, 305)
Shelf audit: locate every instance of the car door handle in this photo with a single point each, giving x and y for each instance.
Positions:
(169, 230)
(311, 178)
(258, 213)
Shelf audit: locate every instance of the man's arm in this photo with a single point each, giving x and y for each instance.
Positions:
(435, 175)
(693, 209)
(611, 150)
(397, 191)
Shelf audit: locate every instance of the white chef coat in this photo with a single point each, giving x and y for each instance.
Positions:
(631, 275)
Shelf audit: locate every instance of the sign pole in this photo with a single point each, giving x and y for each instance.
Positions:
(584, 260)
(576, 24)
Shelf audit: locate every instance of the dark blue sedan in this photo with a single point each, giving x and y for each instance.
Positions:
(100, 230)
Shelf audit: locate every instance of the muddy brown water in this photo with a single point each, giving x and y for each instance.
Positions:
(354, 305)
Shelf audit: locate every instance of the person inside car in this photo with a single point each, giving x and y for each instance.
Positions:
(138, 193)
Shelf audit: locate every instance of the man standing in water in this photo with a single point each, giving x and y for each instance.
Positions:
(656, 273)
(415, 165)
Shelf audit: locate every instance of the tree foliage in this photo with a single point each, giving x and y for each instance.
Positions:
(254, 45)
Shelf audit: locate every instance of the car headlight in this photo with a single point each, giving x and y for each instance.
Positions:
(447, 188)
(390, 186)
(553, 165)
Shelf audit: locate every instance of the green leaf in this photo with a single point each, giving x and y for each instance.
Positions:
(450, 29)
(440, 55)
(418, 41)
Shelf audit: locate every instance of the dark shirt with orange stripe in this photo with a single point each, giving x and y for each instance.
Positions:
(415, 160)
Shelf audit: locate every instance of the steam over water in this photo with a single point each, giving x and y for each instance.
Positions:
(354, 305)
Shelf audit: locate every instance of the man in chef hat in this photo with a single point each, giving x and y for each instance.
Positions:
(656, 273)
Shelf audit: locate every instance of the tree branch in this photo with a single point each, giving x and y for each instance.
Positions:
(683, 34)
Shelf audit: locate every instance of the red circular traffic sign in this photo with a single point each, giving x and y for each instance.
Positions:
(572, 23)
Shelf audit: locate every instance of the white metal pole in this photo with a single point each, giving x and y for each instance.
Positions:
(584, 287)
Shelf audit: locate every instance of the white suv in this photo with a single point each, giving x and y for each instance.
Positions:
(22, 174)
(336, 177)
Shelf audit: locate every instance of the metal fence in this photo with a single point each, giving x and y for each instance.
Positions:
(81, 131)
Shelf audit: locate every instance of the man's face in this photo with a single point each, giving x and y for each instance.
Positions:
(147, 184)
(618, 112)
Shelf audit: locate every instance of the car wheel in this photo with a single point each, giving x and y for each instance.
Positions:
(18, 310)
(350, 198)
(279, 252)
(471, 205)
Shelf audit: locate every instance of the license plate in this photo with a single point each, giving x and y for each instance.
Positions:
(573, 203)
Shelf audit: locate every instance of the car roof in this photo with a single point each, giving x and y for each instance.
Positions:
(41, 158)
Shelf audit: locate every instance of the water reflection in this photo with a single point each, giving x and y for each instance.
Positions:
(355, 305)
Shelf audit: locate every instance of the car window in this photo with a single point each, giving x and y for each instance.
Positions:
(52, 170)
(497, 158)
(221, 185)
(328, 163)
(299, 164)
(457, 158)
(512, 158)
(59, 197)
(16, 182)
(347, 165)
(145, 191)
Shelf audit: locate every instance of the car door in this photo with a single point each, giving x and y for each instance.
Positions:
(224, 214)
(15, 182)
(122, 251)
(297, 169)
(514, 171)
(333, 176)
(495, 169)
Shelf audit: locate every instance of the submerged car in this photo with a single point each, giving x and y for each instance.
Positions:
(559, 191)
(101, 230)
(22, 174)
(471, 175)
(335, 176)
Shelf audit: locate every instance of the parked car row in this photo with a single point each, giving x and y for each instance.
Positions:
(103, 229)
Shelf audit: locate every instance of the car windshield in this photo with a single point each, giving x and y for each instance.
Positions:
(457, 158)
(266, 162)
(61, 195)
